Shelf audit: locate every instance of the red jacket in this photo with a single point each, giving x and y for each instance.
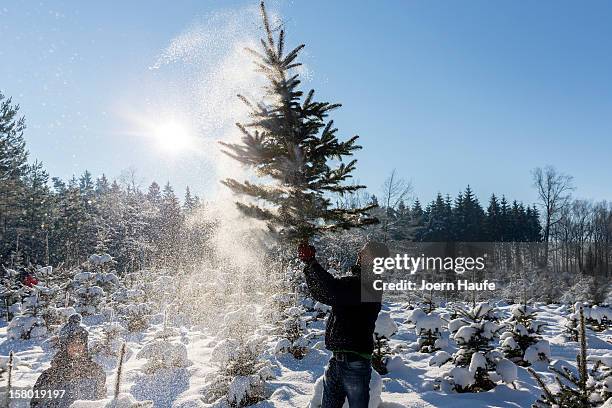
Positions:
(30, 281)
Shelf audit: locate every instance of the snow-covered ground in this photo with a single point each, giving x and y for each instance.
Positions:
(409, 383)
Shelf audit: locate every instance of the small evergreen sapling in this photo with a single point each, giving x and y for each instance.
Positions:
(577, 388)
(384, 329)
(476, 363)
(474, 332)
(521, 343)
(294, 328)
(429, 330)
(29, 322)
(598, 318)
(242, 374)
(572, 326)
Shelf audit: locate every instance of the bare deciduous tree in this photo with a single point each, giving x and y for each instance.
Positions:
(395, 190)
(554, 191)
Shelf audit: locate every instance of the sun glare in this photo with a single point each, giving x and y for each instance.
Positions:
(172, 136)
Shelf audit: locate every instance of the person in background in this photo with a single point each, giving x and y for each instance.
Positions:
(27, 279)
(350, 325)
(72, 371)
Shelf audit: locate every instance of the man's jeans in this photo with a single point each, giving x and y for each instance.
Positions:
(347, 379)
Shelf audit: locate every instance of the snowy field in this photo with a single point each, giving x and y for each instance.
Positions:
(170, 378)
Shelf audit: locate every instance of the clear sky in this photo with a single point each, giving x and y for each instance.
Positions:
(446, 92)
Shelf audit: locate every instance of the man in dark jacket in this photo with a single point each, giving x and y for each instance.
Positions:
(350, 325)
(73, 375)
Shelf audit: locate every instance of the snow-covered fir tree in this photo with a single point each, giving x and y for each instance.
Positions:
(522, 342)
(384, 329)
(477, 366)
(242, 373)
(578, 387)
(429, 330)
(294, 329)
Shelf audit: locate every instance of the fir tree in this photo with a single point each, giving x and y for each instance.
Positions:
(190, 202)
(439, 221)
(521, 343)
(417, 218)
(469, 216)
(13, 165)
(504, 214)
(290, 141)
(577, 388)
(493, 221)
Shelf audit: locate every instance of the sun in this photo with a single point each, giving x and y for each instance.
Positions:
(172, 136)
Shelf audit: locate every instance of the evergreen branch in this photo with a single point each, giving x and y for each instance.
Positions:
(256, 212)
(281, 43)
(258, 191)
(256, 54)
(245, 100)
(292, 55)
(547, 393)
(266, 23)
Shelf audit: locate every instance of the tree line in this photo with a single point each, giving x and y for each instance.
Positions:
(47, 220)
(463, 219)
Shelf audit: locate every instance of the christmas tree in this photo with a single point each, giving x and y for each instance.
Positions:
(290, 142)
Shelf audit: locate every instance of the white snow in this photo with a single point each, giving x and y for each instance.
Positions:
(462, 377)
(413, 315)
(241, 387)
(456, 324)
(320, 307)
(440, 358)
(606, 359)
(195, 353)
(538, 351)
(600, 314)
(385, 325)
(465, 333)
(478, 361)
(507, 370)
(427, 323)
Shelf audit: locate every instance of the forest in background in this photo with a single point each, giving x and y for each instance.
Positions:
(48, 221)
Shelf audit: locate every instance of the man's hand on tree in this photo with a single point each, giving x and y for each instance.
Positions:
(306, 252)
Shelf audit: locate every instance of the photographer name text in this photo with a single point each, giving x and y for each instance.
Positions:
(406, 285)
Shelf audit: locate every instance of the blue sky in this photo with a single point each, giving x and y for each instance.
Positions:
(446, 92)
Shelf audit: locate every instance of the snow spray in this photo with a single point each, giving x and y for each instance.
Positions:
(213, 67)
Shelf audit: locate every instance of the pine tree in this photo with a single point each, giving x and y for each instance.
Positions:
(171, 220)
(439, 221)
(102, 186)
(417, 218)
(474, 333)
(13, 165)
(471, 217)
(403, 228)
(37, 212)
(493, 228)
(289, 141)
(190, 202)
(505, 225)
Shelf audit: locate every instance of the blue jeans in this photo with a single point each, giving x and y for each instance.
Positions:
(347, 379)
